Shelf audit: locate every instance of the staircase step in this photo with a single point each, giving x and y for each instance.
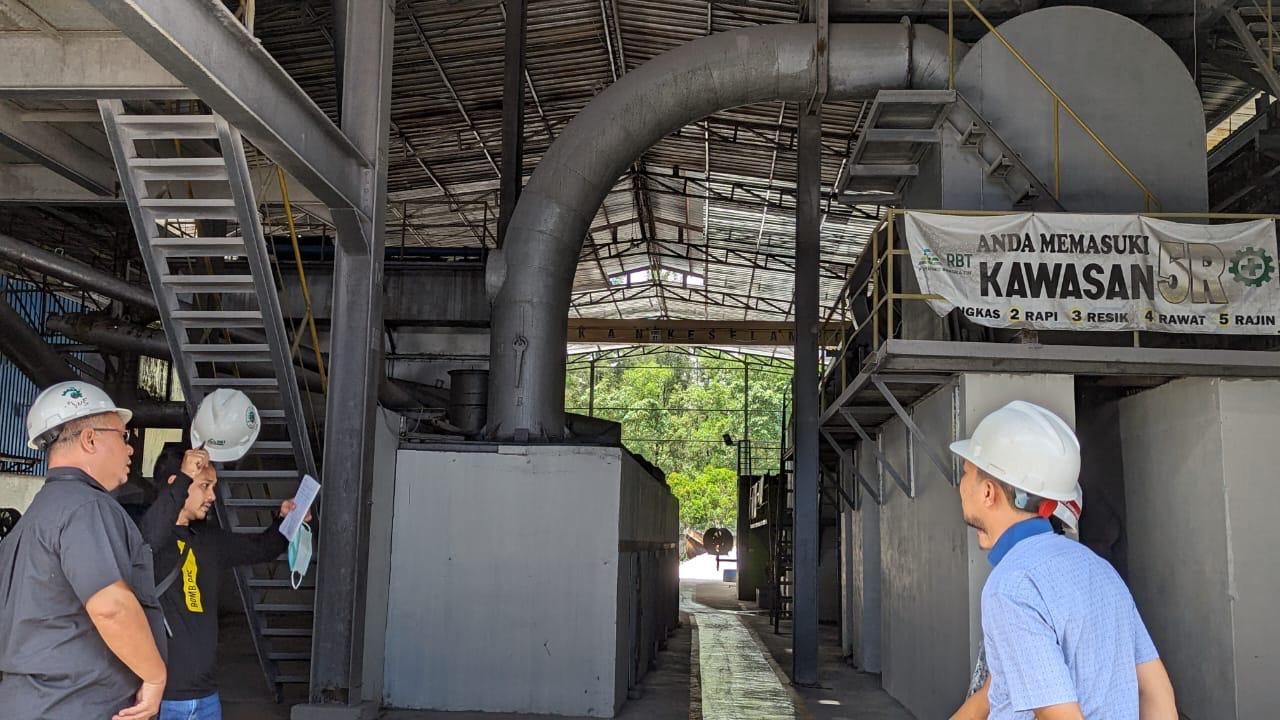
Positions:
(218, 318)
(972, 136)
(282, 656)
(228, 352)
(259, 475)
(169, 127)
(286, 632)
(264, 503)
(293, 679)
(278, 584)
(179, 169)
(209, 283)
(284, 607)
(271, 447)
(190, 209)
(1000, 167)
(188, 247)
(235, 382)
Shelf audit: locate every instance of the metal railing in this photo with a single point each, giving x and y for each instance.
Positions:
(1150, 201)
(882, 292)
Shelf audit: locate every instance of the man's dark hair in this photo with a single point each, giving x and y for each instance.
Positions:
(168, 462)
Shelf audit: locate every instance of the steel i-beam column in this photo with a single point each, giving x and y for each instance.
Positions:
(804, 669)
(512, 114)
(355, 363)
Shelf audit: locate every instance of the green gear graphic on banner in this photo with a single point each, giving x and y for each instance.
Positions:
(1252, 267)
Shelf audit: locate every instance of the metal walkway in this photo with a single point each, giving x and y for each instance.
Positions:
(187, 186)
(901, 127)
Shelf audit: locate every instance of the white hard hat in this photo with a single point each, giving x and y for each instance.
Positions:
(1068, 511)
(59, 404)
(226, 424)
(1027, 447)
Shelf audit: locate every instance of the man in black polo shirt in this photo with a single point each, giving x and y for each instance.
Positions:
(178, 518)
(81, 637)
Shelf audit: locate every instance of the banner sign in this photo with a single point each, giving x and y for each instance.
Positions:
(1062, 271)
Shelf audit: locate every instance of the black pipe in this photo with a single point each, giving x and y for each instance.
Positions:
(29, 352)
(74, 272)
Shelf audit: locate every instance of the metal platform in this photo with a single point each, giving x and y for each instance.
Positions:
(902, 372)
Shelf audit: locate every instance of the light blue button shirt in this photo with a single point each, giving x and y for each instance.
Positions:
(1059, 626)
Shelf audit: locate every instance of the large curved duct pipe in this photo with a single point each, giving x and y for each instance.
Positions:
(29, 352)
(544, 239)
(75, 272)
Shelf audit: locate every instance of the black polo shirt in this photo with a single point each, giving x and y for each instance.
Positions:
(74, 540)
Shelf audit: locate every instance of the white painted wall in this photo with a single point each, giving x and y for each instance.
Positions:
(1250, 420)
(17, 491)
(931, 569)
(386, 436)
(1200, 482)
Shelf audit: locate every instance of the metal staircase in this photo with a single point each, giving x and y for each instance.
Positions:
(902, 125)
(195, 274)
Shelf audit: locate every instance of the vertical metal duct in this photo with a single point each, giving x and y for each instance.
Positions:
(544, 239)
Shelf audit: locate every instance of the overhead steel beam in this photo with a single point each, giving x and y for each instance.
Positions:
(82, 66)
(31, 184)
(448, 85)
(356, 363)
(210, 52)
(512, 176)
(56, 150)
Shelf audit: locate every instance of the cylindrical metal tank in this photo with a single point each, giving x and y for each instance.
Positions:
(468, 399)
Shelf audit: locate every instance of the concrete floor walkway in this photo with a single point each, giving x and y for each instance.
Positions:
(723, 663)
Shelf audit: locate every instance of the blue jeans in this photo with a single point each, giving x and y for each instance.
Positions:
(205, 708)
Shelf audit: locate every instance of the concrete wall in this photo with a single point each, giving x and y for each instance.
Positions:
(1199, 482)
(648, 574)
(505, 579)
(924, 573)
(17, 491)
(931, 571)
(863, 586)
(1250, 418)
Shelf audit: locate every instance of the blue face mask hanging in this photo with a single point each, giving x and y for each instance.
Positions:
(299, 555)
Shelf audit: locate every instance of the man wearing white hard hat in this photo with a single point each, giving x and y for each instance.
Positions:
(1062, 635)
(192, 553)
(80, 628)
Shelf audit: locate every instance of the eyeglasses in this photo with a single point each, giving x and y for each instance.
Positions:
(126, 434)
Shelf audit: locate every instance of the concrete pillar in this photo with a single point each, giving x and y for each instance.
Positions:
(1200, 491)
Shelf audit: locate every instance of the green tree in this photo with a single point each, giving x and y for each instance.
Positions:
(707, 499)
(675, 406)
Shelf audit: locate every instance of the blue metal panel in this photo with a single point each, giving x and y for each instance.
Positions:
(17, 393)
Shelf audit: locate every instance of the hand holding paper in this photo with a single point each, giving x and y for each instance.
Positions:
(300, 511)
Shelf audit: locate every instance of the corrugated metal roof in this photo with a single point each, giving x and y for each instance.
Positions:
(712, 203)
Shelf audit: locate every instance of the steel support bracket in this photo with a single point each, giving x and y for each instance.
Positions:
(916, 432)
(880, 457)
(877, 493)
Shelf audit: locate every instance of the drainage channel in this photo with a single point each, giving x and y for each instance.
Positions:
(737, 679)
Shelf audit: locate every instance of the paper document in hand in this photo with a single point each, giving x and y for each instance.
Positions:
(308, 489)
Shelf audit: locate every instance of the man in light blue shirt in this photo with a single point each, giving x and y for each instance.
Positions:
(1063, 637)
